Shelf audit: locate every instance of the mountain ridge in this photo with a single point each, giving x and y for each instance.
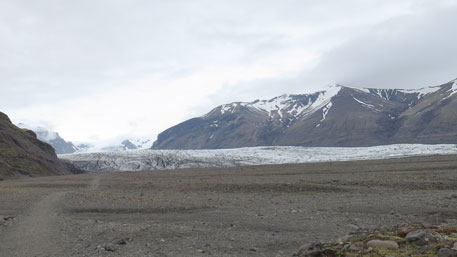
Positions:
(340, 116)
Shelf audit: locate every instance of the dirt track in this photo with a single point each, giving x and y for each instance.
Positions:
(248, 211)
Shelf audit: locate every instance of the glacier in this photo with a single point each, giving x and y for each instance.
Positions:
(142, 160)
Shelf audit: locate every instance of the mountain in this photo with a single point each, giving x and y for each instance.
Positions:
(21, 153)
(125, 145)
(340, 116)
(59, 144)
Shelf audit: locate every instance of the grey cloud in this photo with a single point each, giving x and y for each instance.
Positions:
(407, 52)
(63, 51)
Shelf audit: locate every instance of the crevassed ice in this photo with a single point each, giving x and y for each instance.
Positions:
(170, 159)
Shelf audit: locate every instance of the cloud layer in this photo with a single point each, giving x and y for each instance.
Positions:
(102, 70)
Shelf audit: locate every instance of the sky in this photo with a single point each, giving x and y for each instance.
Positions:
(105, 70)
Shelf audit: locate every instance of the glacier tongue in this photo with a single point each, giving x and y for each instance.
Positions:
(138, 160)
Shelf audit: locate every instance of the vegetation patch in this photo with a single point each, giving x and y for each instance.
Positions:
(407, 240)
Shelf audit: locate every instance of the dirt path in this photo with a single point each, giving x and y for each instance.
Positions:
(95, 182)
(36, 234)
(39, 233)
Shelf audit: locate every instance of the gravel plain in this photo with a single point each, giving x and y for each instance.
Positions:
(266, 210)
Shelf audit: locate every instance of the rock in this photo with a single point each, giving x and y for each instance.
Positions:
(415, 235)
(351, 247)
(386, 244)
(109, 248)
(446, 252)
(7, 218)
(427, 248)
(122, 241)
(423, 236)
(454, 247)
(353, 227)
(310, 250)
(451, 196)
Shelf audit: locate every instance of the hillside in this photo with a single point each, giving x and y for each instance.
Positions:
(340, 116)
(21, 153)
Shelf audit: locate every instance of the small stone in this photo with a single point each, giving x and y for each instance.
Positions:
(446, 252)
(415, 235)
(109, 248)
(386, 244)
(353, 227)
(423, 236)
(122, 241)
(309, 250)
(427, 248)
(7, 218)
(451, 196)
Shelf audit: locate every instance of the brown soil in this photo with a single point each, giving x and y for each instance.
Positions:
(245, 211)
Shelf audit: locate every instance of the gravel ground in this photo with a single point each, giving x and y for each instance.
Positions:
(246, 211)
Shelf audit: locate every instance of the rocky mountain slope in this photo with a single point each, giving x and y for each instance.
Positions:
(53, 138)
(340, 116)
(21, 153)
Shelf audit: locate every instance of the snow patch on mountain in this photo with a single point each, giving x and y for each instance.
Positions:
(323, 99)
(420, 92)
(275, 105)
(385, 94)
(287, 104)
(325, 111)
(453, 89)
(369, 106)
(365, 90)
(171, 159)
(228, 108)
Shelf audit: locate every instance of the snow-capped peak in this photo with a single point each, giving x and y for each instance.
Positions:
(42, 133)
(292, 105)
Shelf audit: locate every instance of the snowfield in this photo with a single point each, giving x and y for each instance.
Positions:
(138, 160)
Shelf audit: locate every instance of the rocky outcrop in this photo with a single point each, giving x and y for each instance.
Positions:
(21, 153)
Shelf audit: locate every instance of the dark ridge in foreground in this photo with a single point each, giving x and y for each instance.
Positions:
(21, 153)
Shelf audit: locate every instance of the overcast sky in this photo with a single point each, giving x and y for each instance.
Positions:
(102, 70)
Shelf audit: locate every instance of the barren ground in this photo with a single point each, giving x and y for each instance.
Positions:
(245, 211)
